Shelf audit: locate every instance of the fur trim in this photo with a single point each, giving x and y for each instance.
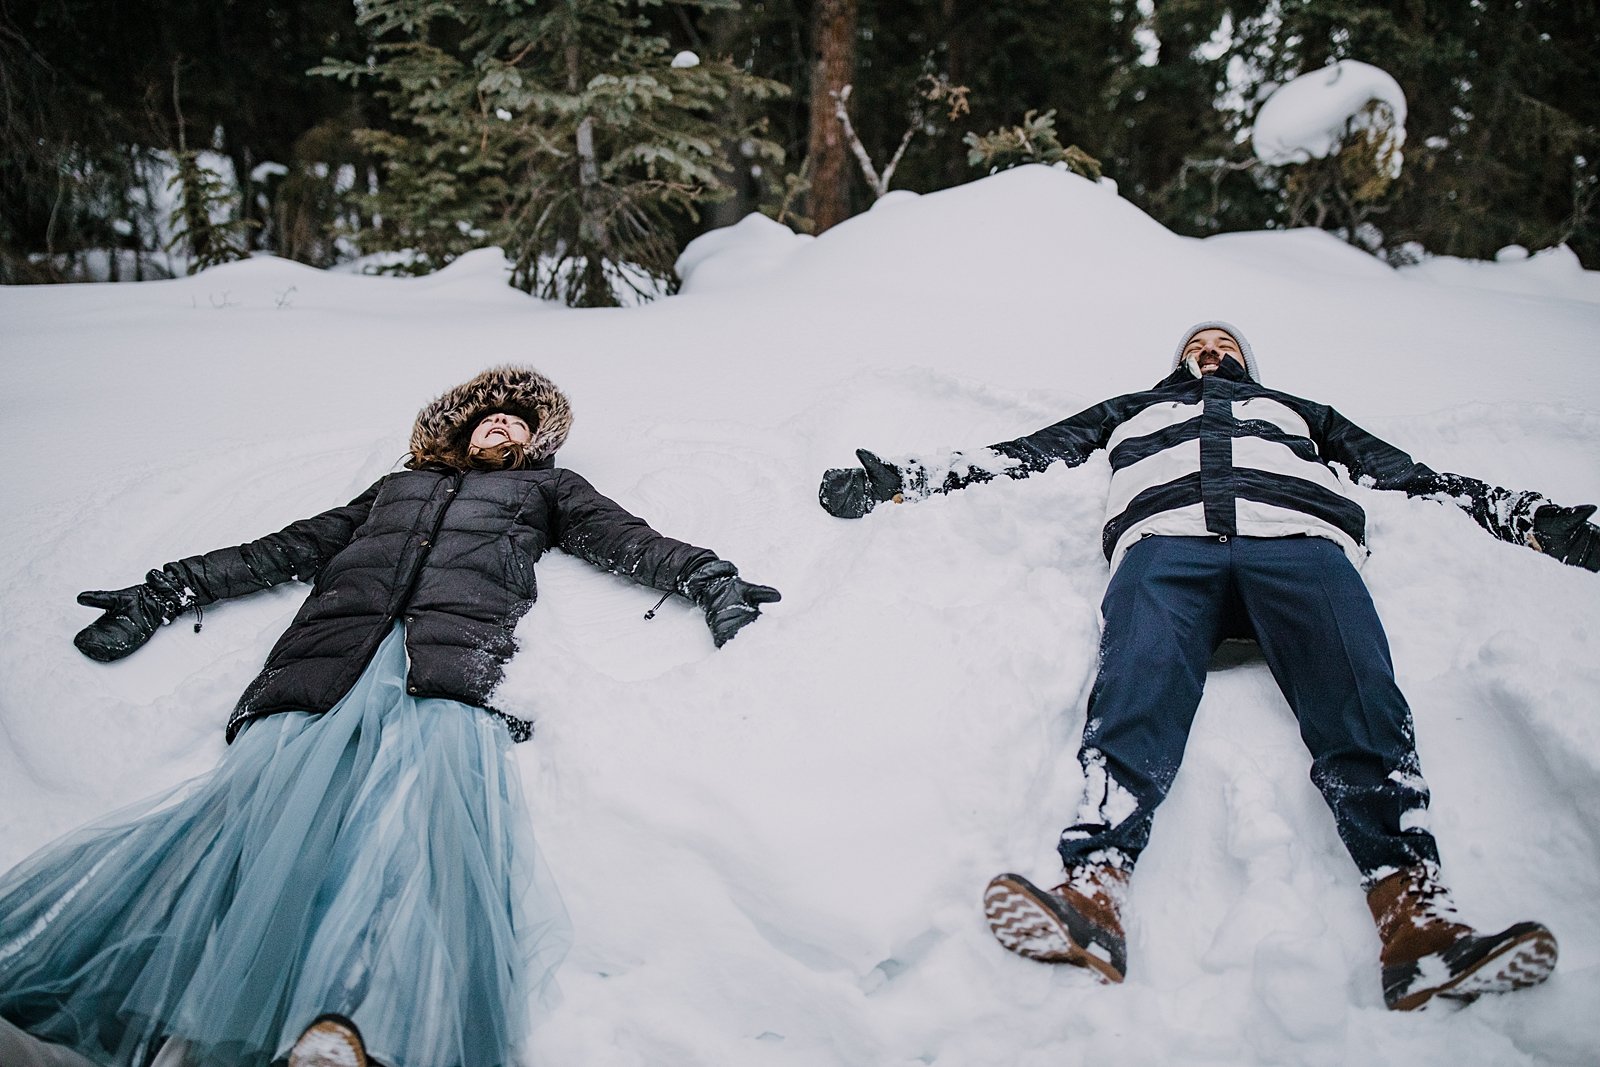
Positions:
(1232, 331)
(442, 428)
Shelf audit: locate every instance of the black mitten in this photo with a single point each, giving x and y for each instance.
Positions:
(131, 616)
(851, 492)
(1566, 534)
(730, 602)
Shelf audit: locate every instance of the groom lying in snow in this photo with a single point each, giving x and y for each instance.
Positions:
(1224, 519)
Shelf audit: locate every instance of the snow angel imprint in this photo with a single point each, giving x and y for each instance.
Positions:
(358, 873)
(1225, 518)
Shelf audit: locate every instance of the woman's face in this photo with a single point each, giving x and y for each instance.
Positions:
(500, 429)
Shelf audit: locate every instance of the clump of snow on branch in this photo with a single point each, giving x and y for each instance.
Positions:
(1313, 115)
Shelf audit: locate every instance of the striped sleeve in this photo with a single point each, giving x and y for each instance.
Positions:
(1505, 513)
(1071, 441)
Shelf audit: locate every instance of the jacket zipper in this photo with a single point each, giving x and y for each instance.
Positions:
(427, 546)
(416, 574)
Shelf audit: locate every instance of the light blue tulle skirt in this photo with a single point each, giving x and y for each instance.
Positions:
(376, 861)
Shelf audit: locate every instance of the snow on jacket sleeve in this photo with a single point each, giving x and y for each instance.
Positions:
(298, 551)
(1071, 441)
(593, 527)
(1505, 513)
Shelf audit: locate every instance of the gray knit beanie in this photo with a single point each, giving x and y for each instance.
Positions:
(1233, 331)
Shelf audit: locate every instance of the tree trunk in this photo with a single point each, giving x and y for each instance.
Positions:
(834, 37)
(1178, 115)
(593, 243)
(958, 33)
(723, 29)
(588, 167)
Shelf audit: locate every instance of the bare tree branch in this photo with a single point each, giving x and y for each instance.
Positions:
(841, 111)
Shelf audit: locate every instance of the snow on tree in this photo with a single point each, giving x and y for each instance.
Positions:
(1314, 115)
(1340, 131)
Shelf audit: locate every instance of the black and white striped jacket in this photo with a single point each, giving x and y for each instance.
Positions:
(1222, 455)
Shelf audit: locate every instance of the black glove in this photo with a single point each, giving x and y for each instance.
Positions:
(730, 602)
(851, 492)
(131, 616)
(1566, 534)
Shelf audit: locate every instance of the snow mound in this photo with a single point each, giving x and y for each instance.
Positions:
(1308, 118)
(1551, 273)
(736, 255)
(1301, 252)
(893, 197)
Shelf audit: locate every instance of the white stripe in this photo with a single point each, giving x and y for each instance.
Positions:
(1255, 519)
(1187, 521)
(1252, 518)
(1167, 465)
(1265, 409)
(1153, 418)
(1275, 457)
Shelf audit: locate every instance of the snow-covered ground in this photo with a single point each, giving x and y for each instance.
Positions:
(774, 853)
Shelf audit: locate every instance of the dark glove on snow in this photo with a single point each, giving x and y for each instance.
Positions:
(131, 616)
(1566, 534)
(851, 492)
(730, 602)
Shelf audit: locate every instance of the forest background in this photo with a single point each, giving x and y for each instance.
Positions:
(591, 139)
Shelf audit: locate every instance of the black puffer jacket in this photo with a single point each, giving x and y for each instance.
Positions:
(448, 552)
(451, 554)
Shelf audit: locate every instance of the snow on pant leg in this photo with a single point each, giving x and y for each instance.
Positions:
(1322, 639)
(1163, 613)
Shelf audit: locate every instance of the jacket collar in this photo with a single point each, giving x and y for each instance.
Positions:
(1228, 370)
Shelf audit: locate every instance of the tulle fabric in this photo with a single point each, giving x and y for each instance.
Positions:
(376, 861)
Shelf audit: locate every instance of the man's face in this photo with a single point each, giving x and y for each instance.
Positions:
(1209, 348)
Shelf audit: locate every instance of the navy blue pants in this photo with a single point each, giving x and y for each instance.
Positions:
(1169, 605)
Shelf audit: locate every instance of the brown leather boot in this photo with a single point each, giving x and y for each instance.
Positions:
(1078, 922)
(330, 1041)
(1428, 951)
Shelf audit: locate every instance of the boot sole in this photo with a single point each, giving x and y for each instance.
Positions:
(1516, 958)
(1029, 921)
(329, 1043)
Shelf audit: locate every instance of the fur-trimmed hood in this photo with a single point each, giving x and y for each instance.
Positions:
(444, 426)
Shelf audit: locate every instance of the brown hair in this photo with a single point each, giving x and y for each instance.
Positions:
(510, 456)
(458, 454)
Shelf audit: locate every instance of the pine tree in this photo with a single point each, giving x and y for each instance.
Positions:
(90, 127)
(1034, 141)
(1499, 148)
(1168, 107)
(566, 132)
(205, 221)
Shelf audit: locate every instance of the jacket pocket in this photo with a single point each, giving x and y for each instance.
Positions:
(517, 553)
